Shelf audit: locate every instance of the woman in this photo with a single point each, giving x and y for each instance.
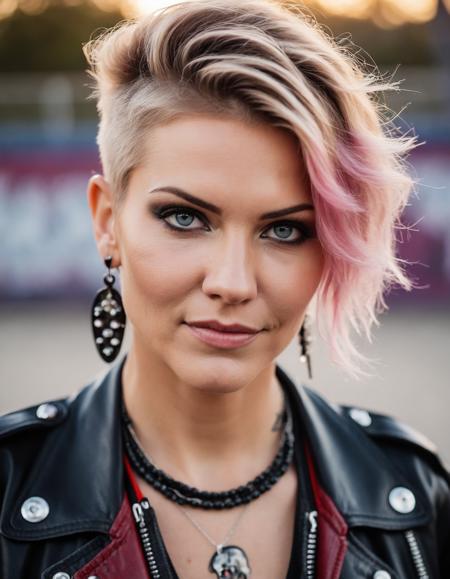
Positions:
(246, 177)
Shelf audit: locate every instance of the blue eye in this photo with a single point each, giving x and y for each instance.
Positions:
(183, 218)
(284, 231)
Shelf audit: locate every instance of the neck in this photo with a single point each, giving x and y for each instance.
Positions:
(210, 440)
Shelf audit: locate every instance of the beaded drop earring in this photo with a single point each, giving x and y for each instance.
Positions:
(108, 318)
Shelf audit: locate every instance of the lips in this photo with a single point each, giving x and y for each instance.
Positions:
(227, 328)
(233, 336)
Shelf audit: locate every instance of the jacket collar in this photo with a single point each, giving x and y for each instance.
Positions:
(83, 482)
(343, 453)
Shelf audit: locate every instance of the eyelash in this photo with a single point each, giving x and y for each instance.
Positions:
(164, 211)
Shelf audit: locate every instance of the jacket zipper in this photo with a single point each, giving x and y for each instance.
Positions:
(416, 555)
(311, 544)
(144, 533)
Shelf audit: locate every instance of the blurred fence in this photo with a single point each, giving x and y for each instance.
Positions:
(44, 108)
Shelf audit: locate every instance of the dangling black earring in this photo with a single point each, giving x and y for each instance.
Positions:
(304, 341)
(108, 318)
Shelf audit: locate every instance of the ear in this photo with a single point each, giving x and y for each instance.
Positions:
(101, 205)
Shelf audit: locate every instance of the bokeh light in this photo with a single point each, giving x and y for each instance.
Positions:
(389, 12)
(398, 12)
(146, 6)
(7, 7)
(353, 8)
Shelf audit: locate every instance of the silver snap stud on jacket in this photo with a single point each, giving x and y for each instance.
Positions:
(381, 575)
(35, 509)
(47, 411)
(92, 577)
(402, 500)
(61, 575)
(360, 416)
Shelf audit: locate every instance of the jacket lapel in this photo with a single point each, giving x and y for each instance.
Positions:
(123, 556)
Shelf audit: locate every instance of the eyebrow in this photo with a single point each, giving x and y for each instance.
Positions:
(214, 209)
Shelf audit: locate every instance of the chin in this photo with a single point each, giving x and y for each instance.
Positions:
(217, 374)
(218, 388)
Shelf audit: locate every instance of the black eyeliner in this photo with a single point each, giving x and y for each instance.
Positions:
(163, 210)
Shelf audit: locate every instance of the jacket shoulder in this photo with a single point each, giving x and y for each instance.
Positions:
(33, 418)
(388, 431)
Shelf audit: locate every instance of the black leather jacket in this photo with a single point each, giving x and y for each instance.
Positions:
(382, 494)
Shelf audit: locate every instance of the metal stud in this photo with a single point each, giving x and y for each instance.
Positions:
(35, 509)
(402, 500)
(362, 417)
(381, 574)
(98, 323)
(47, 411)
(61, 575)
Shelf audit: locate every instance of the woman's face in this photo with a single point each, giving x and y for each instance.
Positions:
(209, 253)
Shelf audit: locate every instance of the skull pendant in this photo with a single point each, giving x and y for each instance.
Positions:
(230, 562)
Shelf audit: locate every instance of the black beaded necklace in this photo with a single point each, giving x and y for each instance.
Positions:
(183, 494)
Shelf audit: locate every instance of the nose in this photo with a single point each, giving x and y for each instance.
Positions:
(231, 273)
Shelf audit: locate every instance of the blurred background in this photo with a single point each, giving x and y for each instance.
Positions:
(49, 267)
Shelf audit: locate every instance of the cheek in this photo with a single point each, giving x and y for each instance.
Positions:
(155, 269)
(152, 273)
(293, 283)
(311, 270)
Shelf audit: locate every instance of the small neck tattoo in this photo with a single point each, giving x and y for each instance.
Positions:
(280, 421)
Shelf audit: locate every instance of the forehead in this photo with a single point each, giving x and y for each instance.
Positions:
(225, 156)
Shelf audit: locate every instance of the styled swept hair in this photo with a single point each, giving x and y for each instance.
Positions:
(258, 60)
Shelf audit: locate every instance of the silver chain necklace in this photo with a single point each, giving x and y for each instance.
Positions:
(228, 561)
(228, 536)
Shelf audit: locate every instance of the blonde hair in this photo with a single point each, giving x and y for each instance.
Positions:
(257, 60)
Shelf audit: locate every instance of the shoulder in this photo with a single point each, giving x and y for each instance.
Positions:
(25, 432)
(45, 416)
(405, 446)
(33, 419)
(336, 424)
(396, 438)
(28, 427)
